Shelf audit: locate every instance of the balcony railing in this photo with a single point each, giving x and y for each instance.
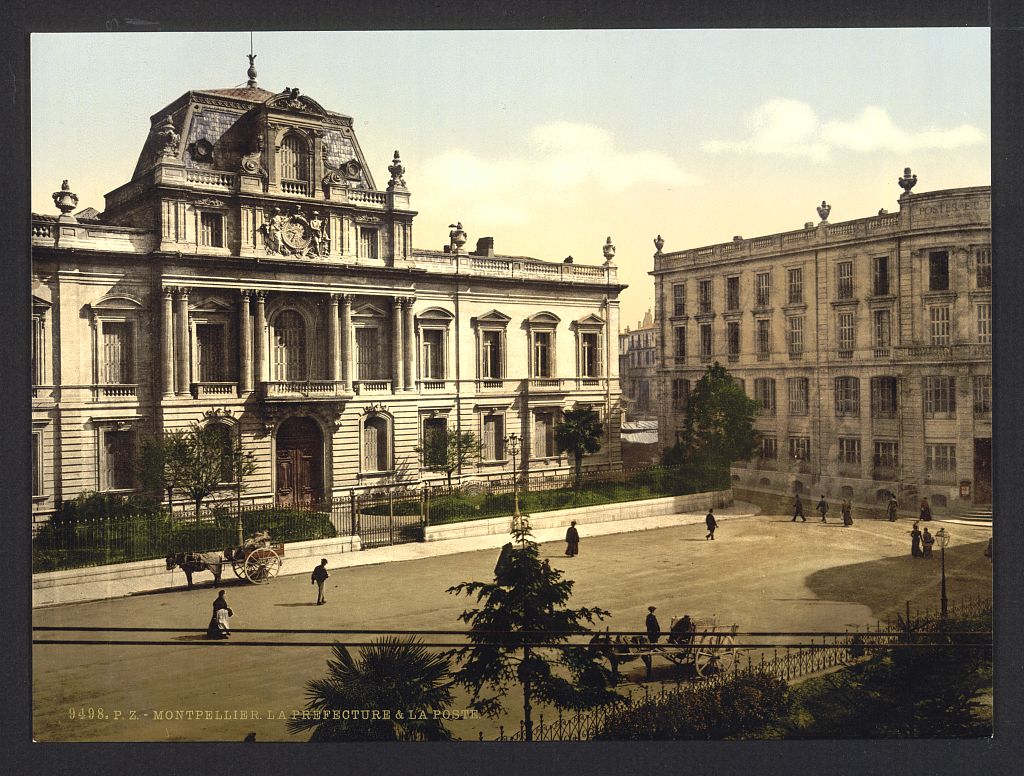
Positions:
(734, 357)
(289, 389)
(946, 352)
(301, 188)
(844, 353)
(883, 473)
(213, 389)
(545, 384)
(796, 355)
(433, 385)
(367, 198)
(220, 180)
(115, 391)
(881, 352)
(371, 386)
(764, 356)
(491, 384)
(43, 392)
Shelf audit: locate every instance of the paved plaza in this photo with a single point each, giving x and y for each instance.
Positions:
(762, 572)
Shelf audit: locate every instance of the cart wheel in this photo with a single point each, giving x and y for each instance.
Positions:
(238, 566)
(715, 658)
(262, 565)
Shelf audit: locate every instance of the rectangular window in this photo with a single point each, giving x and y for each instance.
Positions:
(37, 463)
(796, 285)
(883, 397)
(763, 287)
(38, 350)
(940, 462)
(491, 361)
(983, 394)
(732, 330)
(882, 329)
(704, 289)
(764, 394)
(544, 435)
(847, 397)
(764, 337)
(680, 393)
(210, 352)
(940, 329)
(887, 455)
(432, 365)
(769, 448)
(368, 360)
(705, 340)
(376, 456)
(117, 361)
(849, 450)
(590, 361)
(211, 230)
(680, 343)
(797, 387)
(679, 299)
(368, 242)
(542, 366)
(435, 434)
(795, 335)
(983, 268)
(800, 448)
(938, 271)
(844, 280)
(117, 460)
(732, 293)
(493, 437)
(880, 276)
(985, 323)
(939, 395)
(740, 383)
(844, 339)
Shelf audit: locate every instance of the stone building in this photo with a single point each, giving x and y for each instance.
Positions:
(252, 275)
(638, 369)
(867, 344)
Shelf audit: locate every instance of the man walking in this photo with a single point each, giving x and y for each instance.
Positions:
(653, 627)
(823, 508)
(318, 577)
(927, 541)
(711, 524)
(893, 504)
(572, 540)
(798, 510)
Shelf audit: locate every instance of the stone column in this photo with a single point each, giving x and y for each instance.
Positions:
(396, 344)
(244, 345)
(333, 337)
(409, 330)
(167, 343)
(260, 335)
(347, 336)
(181, 344)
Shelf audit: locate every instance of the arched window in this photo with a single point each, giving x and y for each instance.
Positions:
(376, 452)
(289, 346)
(294, 159)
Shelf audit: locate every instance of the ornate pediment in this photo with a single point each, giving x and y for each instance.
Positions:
(369, 311)
(543, 319)
(291, 100)
(493, 318)
(590, 320)
(436, 315)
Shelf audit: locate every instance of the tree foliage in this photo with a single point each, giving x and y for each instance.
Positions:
(523, 606)
(450, 452)
(718, 427)
(399, 677)
(579, 432)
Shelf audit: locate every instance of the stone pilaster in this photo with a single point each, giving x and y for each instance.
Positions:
(347, 336)
(167, 343)
(181, 344)
(409, 347)
(334, 338)
(396, 344)
(244, 345)
(260, 335)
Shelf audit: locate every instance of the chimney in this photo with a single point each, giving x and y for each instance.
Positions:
(484, 246)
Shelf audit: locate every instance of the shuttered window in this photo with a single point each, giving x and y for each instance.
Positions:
(289, 346)
(117, 357)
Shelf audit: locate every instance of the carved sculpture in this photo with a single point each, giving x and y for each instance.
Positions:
(397, 170)
(609, 251)
(272, 232)
(251, 72)
(65, 199)
(319, 239)
(823, 210)
(659, 243)
(456, 237)
(167, 137)
(252, 162)
(908, 181)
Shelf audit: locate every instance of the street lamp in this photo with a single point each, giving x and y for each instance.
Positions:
(512, 446)
(943, 539)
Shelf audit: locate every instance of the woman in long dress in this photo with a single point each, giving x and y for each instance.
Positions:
(915, 541)
(220, 622)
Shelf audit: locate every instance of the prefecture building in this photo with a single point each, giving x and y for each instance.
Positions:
(866, 343)
(253, 275)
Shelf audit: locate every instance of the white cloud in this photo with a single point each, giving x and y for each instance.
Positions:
(564, 163)
(792, 128)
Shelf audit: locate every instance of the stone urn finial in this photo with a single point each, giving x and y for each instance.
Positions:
(66, 200)
(457, 236)
(823, 210)
(167, 137)
(251, 72)
(397, 170)
(659, 243)
(609, 251)
(907, 182)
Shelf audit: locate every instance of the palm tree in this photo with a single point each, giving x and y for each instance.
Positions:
(397, 677)
(579, 433)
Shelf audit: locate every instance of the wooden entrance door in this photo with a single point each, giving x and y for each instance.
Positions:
(299, 463)
(982, 471)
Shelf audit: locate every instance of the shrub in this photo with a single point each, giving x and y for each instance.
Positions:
(449, 509)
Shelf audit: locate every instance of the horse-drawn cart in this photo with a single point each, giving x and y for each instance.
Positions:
(257, 560)
(702, 645)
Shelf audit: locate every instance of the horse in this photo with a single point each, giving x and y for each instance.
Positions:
(618, 650)
(191, 562)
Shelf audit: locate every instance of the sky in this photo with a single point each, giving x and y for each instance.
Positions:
(552, 141)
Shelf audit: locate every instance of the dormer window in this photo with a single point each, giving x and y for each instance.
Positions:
(295, 165)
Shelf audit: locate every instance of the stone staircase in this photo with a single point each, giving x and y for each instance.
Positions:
(975, 514)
